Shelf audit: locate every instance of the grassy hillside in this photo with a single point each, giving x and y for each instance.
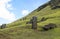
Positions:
(20, 30)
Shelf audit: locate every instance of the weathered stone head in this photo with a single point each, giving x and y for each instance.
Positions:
(34, 22)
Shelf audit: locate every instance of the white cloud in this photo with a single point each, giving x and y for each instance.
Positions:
(25, 12)
(4, 12)
(9, 6)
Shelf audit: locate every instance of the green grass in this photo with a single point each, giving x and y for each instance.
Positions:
(20, 30)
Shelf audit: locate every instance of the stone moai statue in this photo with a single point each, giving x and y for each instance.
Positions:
(55, 3)
(3, 26)
(34, 22)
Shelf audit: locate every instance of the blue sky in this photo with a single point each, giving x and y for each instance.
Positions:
(11, 10)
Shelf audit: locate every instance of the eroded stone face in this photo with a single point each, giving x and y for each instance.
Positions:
(34, 22)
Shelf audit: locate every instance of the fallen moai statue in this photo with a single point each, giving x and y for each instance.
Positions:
(49, 26)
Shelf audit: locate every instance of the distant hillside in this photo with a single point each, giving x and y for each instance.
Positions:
(20, 30)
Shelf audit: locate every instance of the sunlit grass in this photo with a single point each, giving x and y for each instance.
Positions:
(20, 30)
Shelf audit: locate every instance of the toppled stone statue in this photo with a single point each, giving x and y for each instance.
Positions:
(49, 26)
(43, 19)
(28, 22)
(3, 26)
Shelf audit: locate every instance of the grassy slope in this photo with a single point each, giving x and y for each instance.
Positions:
(20, 30)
